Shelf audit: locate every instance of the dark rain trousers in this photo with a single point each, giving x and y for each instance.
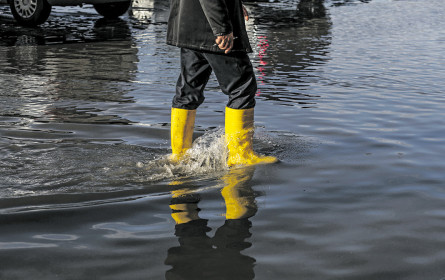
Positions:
(233, 71)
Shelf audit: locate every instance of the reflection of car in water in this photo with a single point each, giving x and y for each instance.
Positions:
(70, 83)
(153, 11)
(291, 41)
(35, 12)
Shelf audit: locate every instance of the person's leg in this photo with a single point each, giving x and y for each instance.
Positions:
(195, 72)
(236, 78)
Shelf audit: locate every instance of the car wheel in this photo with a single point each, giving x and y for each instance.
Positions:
(30, 12)
(112, 10)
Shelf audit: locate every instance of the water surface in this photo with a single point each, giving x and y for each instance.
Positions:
(350, 99)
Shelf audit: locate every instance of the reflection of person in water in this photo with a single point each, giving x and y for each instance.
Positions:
(201, 257)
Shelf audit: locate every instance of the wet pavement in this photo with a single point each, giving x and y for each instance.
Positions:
(350, 100)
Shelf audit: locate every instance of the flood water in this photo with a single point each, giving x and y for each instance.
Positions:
(350, 100)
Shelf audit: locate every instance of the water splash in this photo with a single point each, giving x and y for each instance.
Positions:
(208, 156)
(73, 166)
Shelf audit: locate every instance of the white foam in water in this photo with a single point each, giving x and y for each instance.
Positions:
(23, 192)
(207, 156)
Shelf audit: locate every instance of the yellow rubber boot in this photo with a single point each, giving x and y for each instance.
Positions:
(182, 124)
(239, 137)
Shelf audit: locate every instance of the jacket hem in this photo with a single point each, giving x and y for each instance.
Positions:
(213, 49)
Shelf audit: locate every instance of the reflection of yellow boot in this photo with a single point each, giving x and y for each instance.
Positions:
(182, 124)
(184, 207)
(238, 196)
(239, 136)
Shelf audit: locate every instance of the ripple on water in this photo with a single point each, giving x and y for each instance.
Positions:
(354, 99)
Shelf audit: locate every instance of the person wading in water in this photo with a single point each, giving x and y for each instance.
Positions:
(211, 35)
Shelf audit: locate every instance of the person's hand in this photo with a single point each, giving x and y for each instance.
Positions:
(245, 13)
(225, 42)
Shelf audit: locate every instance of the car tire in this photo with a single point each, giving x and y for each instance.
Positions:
(30, 12)
(112, 10)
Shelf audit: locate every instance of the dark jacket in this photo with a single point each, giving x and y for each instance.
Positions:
(195, 24)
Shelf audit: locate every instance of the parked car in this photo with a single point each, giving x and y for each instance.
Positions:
(35, 12)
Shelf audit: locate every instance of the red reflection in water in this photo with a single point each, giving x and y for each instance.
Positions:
(263, 44)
